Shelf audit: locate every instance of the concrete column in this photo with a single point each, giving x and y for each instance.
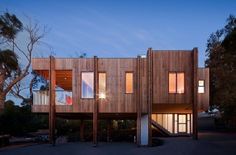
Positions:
(144, 130)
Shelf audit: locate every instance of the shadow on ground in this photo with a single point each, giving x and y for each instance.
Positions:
(209, 143)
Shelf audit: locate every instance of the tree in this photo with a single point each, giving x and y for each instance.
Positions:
(19, 120)
(221, 52)
(11, 72)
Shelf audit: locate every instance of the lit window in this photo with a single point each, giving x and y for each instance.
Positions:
(201, 86)
(180, 83)
(172, 82)
(176, 83)
(129, 82)
(102, 85)
(87, 86)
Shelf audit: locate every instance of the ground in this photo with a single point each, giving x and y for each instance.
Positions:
(209, 143)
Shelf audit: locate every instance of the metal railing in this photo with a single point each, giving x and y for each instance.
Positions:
(42, 97)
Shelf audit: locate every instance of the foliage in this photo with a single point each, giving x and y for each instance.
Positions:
(9, 61)
(19, 121)
(10, 25)
(11, 72)
(221, 52)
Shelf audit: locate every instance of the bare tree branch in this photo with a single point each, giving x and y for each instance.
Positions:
(33, 30)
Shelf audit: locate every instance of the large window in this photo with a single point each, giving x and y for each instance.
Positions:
(174, 123)
(201, 86)
(176, 82)
(102, 85)
(87, 86)
(129, 82)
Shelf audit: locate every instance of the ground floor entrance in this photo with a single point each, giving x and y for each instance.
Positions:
(174, 123)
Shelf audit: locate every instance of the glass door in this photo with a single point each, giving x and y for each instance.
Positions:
(182, 123)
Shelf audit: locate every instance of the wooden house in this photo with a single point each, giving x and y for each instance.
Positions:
(164, 90)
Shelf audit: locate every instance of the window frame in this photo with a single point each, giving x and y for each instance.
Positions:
(81, 90)
(126, 72)
(102, 72)
(176, 82)
(201, 86)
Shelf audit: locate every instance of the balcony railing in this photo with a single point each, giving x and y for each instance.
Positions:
(62, 97)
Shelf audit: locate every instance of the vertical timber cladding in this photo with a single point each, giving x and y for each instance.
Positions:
(117, 101)
(143, 85)
(171, 61)
(203, 98)
(79, 104)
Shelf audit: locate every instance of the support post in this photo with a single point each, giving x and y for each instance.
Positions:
(109, 130)
(149, 94)
(139, 108)
(82, 130)
(52, 107)
(195, 93)
(95, 107)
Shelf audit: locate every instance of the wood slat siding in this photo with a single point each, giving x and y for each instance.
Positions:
(117, 101)
(171, 61)
(60, 64)
(143, 84)
(40, 63)
(64, 64)
(116, 98)
(203, 99)
(59, 108)
(80, 104)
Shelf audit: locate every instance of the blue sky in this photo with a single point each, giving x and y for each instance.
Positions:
(123, 28)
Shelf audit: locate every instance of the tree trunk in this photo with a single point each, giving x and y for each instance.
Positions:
(2, 80)
(2, 100)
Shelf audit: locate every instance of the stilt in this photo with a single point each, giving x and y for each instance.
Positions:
(150, 93)
(139, 109)
(195, 93)
(52, 106)
(95, 107)
(82, 130)
(109, 125)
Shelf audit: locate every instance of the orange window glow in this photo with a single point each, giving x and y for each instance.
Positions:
(172, 82)
(180, 83)
(176, 83)
(102, 85)
(129, 82)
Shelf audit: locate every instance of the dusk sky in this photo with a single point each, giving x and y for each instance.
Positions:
(123, 28)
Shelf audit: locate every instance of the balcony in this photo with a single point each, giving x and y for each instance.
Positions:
(42, 97)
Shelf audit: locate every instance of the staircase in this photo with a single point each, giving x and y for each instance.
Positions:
(160, 129)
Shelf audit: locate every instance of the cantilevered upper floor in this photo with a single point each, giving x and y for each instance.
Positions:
(118, 85)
